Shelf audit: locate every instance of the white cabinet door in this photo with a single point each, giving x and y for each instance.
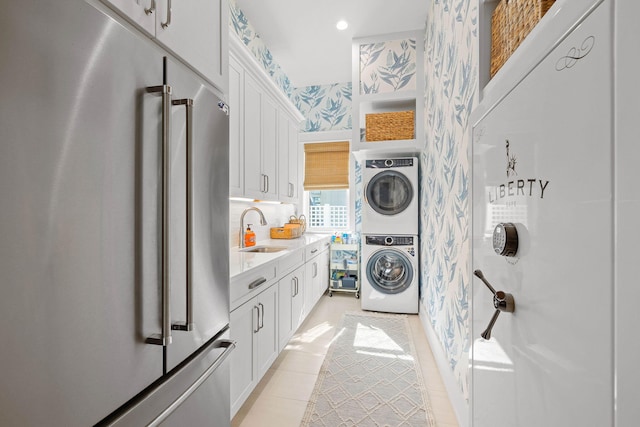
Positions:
(269, 147)
(542, 160)
(294, 162)
(236, 130)
(139, 12)
(286, 292)
(197, 31)
(323, 280)
(288, 155)
(290, 300)
(267, 335)
(243, 326)
(312, 282)
(254, 182)
(297, 301)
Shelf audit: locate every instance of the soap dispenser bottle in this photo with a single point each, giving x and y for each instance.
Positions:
(249, 237)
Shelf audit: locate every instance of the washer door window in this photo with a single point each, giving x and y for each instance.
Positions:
(389, 192)
(389, 271)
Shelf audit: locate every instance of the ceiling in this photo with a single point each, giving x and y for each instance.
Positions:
(304, 41)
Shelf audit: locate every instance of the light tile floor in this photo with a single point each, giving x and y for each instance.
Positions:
(281, 397)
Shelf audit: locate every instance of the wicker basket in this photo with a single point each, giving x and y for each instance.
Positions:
(511, 22)
(289, 231)
(390, 126)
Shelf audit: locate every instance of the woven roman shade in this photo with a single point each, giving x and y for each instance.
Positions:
(326, 166)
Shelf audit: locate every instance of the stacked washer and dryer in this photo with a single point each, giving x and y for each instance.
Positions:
(390, 267)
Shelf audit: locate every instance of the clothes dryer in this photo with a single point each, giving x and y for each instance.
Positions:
(390, 196)
(390, 273)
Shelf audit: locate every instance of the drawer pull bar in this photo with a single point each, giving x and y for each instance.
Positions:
(257, 283)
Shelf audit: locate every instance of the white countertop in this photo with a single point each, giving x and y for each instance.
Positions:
(241, 262)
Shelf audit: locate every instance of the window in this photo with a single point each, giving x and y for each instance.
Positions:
(326, 184)
(328, 209)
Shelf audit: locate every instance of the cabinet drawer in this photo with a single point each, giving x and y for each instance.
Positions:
(291, 261)
(246, 286)
(315, 248)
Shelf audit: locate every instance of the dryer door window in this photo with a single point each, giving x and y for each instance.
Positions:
(389, 271)
(389, 192)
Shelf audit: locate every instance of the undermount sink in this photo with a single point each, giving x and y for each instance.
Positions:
(263, 249)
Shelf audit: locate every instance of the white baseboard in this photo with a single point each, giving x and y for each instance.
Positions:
(458, 402)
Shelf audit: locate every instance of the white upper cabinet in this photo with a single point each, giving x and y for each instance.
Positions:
(196, 31)
(236, 129)
(139, 12)
(264, 156)
(288, 185)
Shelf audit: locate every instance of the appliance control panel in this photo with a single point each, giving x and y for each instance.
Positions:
(389, 240)
(389, 163)
(505, 239)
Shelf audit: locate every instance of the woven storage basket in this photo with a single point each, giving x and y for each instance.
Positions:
(511, 22)
(390, 126)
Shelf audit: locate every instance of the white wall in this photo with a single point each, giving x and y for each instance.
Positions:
(276, 215)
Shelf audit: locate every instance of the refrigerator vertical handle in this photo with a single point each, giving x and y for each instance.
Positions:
(166, 24)
(189, 324)
(165, 337)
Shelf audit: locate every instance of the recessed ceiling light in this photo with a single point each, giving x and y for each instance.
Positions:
(342, 25)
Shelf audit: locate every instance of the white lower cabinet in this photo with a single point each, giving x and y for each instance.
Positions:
(268, 304)
(254, 328)
(316, 278)
(291, 300)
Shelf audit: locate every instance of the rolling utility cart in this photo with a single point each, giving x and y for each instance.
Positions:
(344, 263)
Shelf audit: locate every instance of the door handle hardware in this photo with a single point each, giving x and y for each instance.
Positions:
(189, 324)
(164, 90)
(502, 301)
(166, 24)
(261, 311)
(151, 8)
(255, 331)
(257, 282)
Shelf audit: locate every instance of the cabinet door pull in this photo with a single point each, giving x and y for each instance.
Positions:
(261, 311)
(255, 331)
(151, 8)
(166, 24)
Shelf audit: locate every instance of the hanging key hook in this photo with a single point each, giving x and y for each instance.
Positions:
(502, 301)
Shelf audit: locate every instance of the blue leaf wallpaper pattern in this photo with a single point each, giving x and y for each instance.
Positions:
(388, 66)
(451, 86)
(240, 24)
(325, 108)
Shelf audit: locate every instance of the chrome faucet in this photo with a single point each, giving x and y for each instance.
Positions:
(262, 222)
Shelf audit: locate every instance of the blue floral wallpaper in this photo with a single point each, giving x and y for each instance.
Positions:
(245, 31)
(388, 66)
(451, 86)
(326, 107)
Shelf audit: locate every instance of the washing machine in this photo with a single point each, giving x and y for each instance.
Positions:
(390, 196)
(390, 273)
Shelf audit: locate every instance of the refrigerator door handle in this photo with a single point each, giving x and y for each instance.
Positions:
(189, 324)
(164, 338)
(228, 345)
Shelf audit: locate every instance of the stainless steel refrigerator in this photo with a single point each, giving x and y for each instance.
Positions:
(113, 227)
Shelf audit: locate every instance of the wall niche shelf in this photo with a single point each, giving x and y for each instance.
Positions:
(390, 67)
